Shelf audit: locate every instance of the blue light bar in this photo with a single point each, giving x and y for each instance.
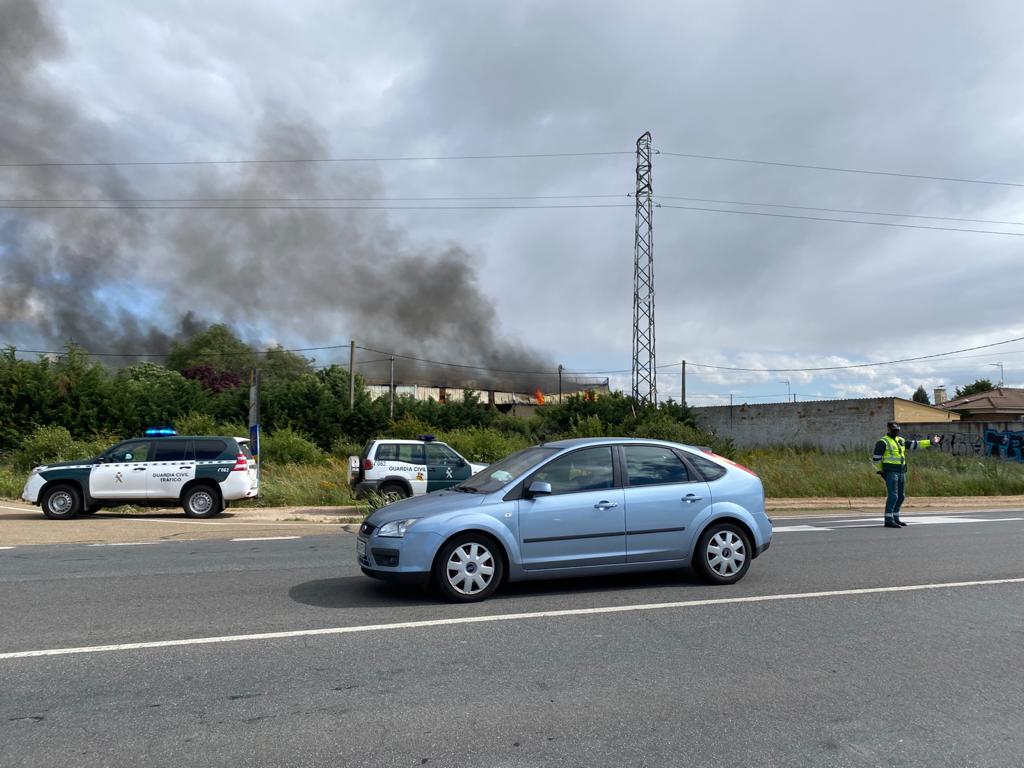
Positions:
(160, 432)
(426, 438)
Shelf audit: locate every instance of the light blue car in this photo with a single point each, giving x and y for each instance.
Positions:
(584, 507)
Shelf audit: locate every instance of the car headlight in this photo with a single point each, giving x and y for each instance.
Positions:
(396, 529)
(35, 471)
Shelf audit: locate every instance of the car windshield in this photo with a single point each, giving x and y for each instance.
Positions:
(499, 475)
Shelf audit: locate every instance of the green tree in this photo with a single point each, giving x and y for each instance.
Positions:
(218, 348)
(979, 385)
(921, 396)
(281, 365)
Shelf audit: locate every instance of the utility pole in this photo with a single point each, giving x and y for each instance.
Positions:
(682, 389)
(559, 383)
(645, 390)
(789, 393)
(352, 375)
(391, 389)
(1000, 367)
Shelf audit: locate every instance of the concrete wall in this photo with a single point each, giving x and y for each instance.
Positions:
(830, 425)
(967, 438)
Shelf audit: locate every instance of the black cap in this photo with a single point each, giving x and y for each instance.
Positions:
(893, 426)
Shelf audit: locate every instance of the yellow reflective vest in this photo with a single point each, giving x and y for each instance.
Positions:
(894, 454)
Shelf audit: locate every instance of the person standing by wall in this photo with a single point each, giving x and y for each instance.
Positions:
(890, 459)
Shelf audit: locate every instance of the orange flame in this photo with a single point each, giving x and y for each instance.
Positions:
(539, 396)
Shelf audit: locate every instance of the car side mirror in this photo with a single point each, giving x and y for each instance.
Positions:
(539, 488)
(462, 462)
(99, 460)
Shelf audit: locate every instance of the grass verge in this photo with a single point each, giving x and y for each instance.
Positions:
(787, 473)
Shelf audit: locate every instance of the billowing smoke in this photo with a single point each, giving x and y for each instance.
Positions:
(134, 280)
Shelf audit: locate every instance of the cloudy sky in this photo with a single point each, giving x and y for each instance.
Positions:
(927, 89)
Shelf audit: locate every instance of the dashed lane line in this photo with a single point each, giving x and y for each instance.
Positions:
(267, 538)
(504, 617)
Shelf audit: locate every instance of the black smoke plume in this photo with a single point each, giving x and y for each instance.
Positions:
(132, 281)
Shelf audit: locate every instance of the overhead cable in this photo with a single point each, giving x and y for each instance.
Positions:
(836, 169)
(841, 221)
(299, 160)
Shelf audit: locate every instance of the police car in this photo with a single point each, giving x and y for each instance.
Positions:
(199, 473)
(398, 469)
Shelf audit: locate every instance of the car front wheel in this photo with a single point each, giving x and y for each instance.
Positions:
(469, 568)
(61, 502)
(723, 554)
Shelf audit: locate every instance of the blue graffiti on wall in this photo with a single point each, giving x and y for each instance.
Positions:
(1005, 445)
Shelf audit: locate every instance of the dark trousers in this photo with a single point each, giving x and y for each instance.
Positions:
(895, 485)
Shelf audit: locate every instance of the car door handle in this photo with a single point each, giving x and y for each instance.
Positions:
(690, 498)
(605, 505)
(140, 469)
(187, 466)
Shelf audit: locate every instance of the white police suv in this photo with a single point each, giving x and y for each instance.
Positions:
(398, 469)
(199, 473)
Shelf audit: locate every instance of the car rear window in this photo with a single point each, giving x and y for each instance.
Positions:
(210, 449)
(709, 469)
(410, 453)
(171, 450)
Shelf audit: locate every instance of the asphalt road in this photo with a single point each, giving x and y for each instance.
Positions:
(821, 663)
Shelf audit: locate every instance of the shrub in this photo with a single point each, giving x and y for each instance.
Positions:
(196, 423)
(47, 445)
(345, 446)
(408, 428)
(483, 444)
(288, 446)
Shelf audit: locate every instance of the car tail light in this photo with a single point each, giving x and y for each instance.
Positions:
(241, 463)
(367, 464)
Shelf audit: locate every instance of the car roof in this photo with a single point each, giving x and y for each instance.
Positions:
(405, 442)
(577, 442)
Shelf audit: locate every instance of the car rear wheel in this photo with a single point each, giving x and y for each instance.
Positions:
(201, 501)
(392, 492)
(469, 568)
(61, 502)
(723, 554)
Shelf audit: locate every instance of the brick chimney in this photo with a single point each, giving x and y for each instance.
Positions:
(940, 396)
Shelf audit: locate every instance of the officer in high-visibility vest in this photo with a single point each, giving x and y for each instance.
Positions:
(890, 459)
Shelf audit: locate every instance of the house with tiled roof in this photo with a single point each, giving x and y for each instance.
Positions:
(1001, 404)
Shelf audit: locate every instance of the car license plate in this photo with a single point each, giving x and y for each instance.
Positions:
(361, 548)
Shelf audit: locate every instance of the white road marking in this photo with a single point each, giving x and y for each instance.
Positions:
(875, 522)
(503, 617)
(267, 538)
(6, 547)
(126, 543)
(218, 522)
(18, 509)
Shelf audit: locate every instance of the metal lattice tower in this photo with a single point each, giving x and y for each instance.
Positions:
(645, 388)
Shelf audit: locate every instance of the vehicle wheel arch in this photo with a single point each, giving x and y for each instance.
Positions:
(213, 485)
(83, 492)
(397, 480)
(478, 531)
(728, 519)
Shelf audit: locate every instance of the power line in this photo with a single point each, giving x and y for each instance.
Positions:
(306, 207)
(305, 160)
(837, 169)
(133, 200)
(856, 365)
(842, 221)
(840, 210)
(553, 371)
